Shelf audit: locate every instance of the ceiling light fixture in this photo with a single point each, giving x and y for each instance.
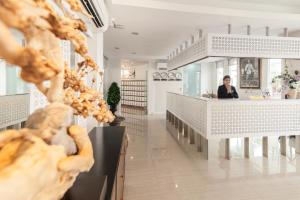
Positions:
(134, 33)
(117, 48)
(133, 53)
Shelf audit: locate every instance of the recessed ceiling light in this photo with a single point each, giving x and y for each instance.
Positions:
(117, 48)
(134, 33)
(133, 53)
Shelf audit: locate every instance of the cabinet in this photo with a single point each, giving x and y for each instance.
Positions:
(134, 93)
(105, 181)
(118, 188)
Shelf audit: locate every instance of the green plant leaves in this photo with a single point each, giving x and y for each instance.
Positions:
(114, 95)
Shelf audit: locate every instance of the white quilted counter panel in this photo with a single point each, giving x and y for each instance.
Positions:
(237, 118)
(13, 109)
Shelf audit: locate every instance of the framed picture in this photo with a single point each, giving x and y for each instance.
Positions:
(250, 73)
(128, 73)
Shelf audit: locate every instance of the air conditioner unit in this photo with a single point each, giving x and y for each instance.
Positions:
(97, 9)
(161, 66)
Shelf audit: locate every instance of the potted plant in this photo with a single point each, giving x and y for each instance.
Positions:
(289, 83)
(113, 97)
(293, 86)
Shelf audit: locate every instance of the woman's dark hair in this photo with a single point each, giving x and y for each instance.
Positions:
(226, 77)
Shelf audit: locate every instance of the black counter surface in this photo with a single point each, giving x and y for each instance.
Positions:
(107, 142)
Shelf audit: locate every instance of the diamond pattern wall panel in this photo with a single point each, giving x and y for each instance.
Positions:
(13, 109)
(254, 118)
(191, 111)
(189, 55)
(237, 118)
(238, 46)
(253, 46)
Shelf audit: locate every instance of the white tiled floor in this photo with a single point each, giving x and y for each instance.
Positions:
(159, 167)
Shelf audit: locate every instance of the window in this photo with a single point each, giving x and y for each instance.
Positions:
(233, 71)
(220, 73)
(274, 69)
(2, 77)
(10, 81)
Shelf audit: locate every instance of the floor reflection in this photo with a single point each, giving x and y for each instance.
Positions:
(160, 166)
(135, 121)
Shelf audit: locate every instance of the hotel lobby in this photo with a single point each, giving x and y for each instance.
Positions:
(149, 99)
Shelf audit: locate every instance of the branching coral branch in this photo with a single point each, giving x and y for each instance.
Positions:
(49, 143)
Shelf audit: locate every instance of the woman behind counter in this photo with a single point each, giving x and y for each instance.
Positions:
(226, 91)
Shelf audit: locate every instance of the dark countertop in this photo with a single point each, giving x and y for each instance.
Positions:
(107, 143)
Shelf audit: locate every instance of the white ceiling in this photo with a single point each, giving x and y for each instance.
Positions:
(164, 24)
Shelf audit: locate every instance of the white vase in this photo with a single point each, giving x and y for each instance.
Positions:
(292, 94)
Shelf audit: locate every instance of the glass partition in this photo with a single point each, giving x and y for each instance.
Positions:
(192, 80)
(203, 78)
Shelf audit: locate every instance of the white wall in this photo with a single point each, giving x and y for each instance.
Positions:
(141, 71)
(112, 73)
(158, 95)
(157, 91)
(292, 65)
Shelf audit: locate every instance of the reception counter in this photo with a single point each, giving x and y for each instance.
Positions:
(224, 119)
(14, 109)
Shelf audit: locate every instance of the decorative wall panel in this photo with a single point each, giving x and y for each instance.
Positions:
(254, 118)
(195, 52)
(13, 109)
(254, 46)
(225, 45)
(191, 111)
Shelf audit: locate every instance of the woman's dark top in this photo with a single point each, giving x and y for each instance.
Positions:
(222, 93)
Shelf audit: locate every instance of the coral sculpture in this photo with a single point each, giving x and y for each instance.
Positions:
(43, 159)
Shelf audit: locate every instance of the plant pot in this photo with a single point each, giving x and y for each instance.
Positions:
(292, 94)
(116, 122)
(113, 109)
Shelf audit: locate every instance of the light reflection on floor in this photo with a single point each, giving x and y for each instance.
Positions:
(161, 167)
